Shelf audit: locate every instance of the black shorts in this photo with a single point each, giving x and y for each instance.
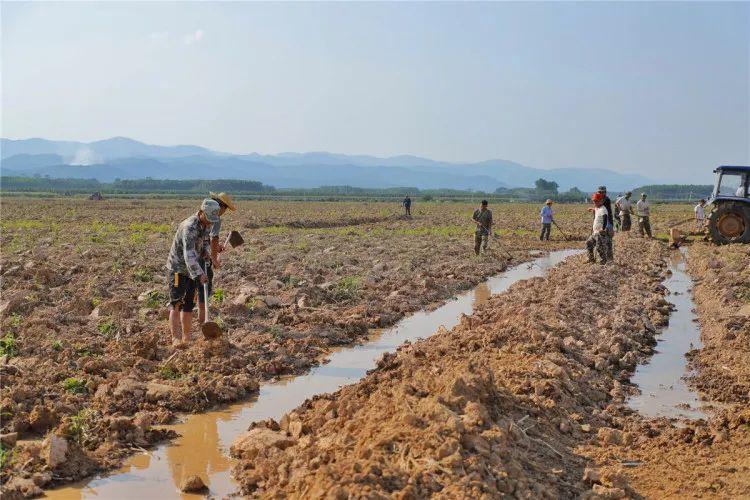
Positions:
(182, 291)
(210, 273)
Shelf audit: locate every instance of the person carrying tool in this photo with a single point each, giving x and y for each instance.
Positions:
(482, 217)
(599, 234)
(407, 205)
(209, 264)
(185, 271)
(700, 215)
(547, 220)
(624, 208)
(643, 209)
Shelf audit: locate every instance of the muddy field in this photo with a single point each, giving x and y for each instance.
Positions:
(85, 342)
(532, 406)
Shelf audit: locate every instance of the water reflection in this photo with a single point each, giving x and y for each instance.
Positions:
(664, 392)
(205, 441)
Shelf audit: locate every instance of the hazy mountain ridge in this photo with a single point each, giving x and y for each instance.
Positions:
(121, 157)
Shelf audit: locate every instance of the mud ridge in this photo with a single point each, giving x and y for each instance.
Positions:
(494, 407)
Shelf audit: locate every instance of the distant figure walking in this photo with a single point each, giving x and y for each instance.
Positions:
(407, 205)
(643, 208)
(700, 215)
(599, 233)
(624, 208)
(547, 219)
(483, 219)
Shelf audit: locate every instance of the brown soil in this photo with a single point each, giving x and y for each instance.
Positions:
(702, 459)
(82, 301)
(722, 294)
(90, 357)
(533, 376)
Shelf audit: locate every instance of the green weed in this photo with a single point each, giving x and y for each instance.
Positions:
(15, 320)
(80, 424)
(142, 274)
(108, 328)
(74, 385)
(276, 230)
(6, 456)
(155, 299)
(57, 345)
(347, 287)
(169, 373)
(8, 346)
(219, 295)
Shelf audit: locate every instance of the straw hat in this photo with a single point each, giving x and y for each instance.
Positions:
(548, 202)
(225, 199)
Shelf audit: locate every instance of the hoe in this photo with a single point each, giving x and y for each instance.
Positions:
(211, 329)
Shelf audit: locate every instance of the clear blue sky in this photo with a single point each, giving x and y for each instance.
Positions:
(661, 89)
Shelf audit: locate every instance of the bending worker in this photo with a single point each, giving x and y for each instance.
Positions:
(186, 274)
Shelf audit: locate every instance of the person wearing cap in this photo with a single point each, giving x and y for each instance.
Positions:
(700, 215)
(643, 209)
(607, 204)
(599, 234)
(209, 264)
(624, 208)
(186, 274)
(547, 218)
(483, 220)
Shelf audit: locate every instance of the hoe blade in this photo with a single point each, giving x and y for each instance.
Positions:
(211, 330)
(235, 239)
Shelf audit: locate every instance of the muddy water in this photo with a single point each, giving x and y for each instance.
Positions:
(661, 380)
(205, 438)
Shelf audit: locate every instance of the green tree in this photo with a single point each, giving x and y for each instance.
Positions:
(545, 186)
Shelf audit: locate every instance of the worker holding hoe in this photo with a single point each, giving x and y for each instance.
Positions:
(547, 219)
(643, 208)
(225, 202)
(600, 234)
(483, 219)
(186, 274)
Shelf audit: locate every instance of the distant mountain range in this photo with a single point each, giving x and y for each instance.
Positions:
(125, 158)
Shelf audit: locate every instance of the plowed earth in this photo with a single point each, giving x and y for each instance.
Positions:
(523, 399)
(85, 348)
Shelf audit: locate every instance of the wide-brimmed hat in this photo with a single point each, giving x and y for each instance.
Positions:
(548, 202)
(224, 199)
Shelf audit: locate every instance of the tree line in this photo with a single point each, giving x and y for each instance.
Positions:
(542, 190)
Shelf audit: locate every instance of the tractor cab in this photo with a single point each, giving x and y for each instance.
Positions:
(729, 221)
(731, 182)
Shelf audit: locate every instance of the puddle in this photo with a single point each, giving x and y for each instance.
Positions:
(205, 438)
(662, 380)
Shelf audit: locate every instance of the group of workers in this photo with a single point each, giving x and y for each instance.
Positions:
(195, 249)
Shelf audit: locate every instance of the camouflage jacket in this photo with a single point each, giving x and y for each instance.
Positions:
(190, 241)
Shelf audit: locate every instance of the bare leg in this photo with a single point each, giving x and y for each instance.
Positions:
(174, 324)
(186, 318)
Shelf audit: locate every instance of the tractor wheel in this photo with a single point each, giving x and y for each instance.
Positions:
(730, 223)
